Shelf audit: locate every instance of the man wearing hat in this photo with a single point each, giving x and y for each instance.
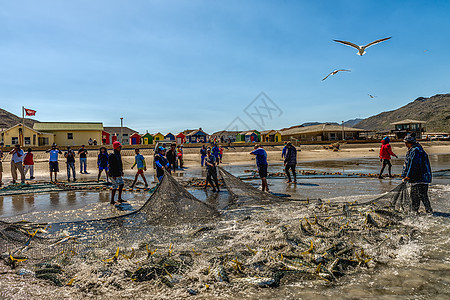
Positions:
(417, 172)
(161, 163)
(116, 172)
(16, 163)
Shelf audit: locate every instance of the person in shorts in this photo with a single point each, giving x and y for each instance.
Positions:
(139, 161)
(70, 163)
(116, 172)
(102, 163)
(261, 163)
(28, 163)
(53, 161)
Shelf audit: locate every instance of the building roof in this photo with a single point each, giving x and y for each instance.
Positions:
(319, 129)
(170, 134)
(73, 126)
(20, 124)
(199, 131)
(159, 133)
(112, 130)
(181, 134)
(268, 132)
(249, 132)
(408, 121)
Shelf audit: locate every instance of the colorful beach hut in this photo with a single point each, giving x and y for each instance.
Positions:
(181, 138)
(135, 139)
(158, 137)
(105, 138)
(169, 137)
(270, 136)
(147, 139)
(197, 136)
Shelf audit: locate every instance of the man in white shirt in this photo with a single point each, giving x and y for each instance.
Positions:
(16, 163)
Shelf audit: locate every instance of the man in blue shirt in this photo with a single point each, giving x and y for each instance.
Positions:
(211, 175)
(216, 152)
(417, 172)
(261, 163)
(203, 155)
(139, 161)
(53, 161)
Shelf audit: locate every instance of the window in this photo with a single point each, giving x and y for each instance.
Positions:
(34, 139)
(14, 140)
(125, 134)
(27, 140)
(70, 136)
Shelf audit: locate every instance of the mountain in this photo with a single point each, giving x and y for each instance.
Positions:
(8, 119)
(434, 110)
(352, 122)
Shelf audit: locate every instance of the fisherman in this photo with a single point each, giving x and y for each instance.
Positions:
(203, 155)
(1, 163)
(16, 163)
(139, 161)
(417, 172)
(211, 168)
(261, 163)
(70, 162)
(28, 163)
(116, 172)
(161, 163)
(290, 161)
(172, 156)
(53, 161)
(283, 153)
(102, 163)
(83, 159)
(216, 152)
(385, 156)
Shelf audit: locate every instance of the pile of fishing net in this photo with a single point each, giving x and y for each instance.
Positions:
(179, 243)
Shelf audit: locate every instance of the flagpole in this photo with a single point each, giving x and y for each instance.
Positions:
(23, 126)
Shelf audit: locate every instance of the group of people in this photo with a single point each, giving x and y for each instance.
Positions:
(416, 168)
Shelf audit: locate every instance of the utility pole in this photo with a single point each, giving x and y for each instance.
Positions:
(121, 130)
(343, 133)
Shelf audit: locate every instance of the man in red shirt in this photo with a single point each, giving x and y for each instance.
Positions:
(385, 156)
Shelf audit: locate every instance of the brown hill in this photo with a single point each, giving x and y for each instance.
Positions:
(434, 110)
(8, 119)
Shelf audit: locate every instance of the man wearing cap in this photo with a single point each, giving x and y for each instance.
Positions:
(211, 163)
(116, 172)
(385, 156)
(53, 161)
(16, 163)
(161, 163)
(417, 172)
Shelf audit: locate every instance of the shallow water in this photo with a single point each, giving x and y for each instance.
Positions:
(419, 269)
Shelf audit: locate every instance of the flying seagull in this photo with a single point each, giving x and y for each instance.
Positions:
(334, 72)
(361, 49)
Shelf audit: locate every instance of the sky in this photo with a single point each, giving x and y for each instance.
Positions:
(166, 66)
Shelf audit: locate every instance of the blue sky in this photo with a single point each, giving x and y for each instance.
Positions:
(171, 65)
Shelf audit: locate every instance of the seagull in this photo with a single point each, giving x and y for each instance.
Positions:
(371, 96)
(334, 72)
(361, 49)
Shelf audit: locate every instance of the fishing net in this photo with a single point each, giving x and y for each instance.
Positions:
(242, 192)
(265, 244)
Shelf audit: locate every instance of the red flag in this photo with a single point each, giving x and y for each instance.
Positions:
(29, 112)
